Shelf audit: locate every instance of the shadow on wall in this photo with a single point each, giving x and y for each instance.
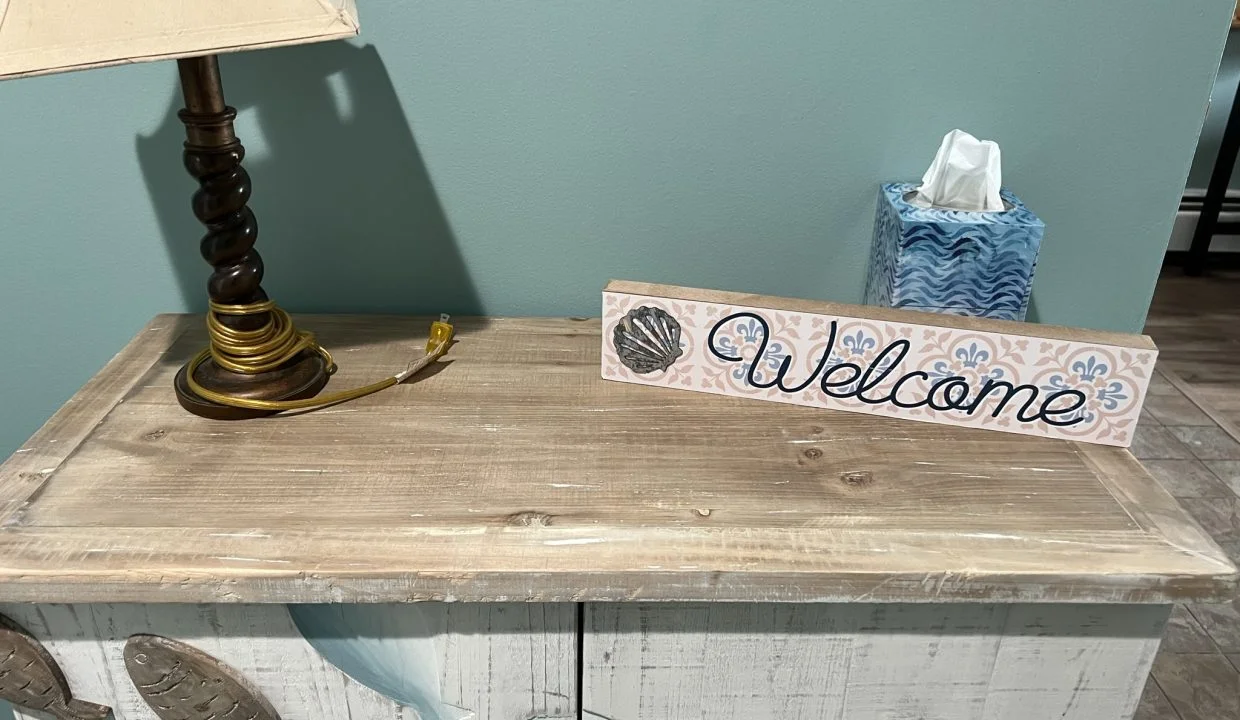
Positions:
(349, 220)
(1031, 314)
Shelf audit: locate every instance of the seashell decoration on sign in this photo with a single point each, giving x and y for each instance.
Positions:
(31, 679)
(181, 682)
(647, 340)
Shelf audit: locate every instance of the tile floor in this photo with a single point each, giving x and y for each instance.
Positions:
(1196, 675)
(1196, 324)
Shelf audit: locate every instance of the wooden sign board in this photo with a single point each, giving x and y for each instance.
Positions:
(992, 374)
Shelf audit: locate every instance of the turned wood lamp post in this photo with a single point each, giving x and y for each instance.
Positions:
(213, 156)
(256, 356)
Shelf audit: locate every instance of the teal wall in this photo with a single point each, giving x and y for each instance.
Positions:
(511, 157)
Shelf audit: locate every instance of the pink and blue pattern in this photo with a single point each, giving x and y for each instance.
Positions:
(991, 379)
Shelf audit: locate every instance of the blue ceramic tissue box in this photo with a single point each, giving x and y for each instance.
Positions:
(952, 261)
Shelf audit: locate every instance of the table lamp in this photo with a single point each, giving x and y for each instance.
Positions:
(257, 362)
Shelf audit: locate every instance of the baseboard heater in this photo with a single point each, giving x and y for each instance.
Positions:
(1186, 224)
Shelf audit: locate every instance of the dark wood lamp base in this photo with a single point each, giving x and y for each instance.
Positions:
(303, 378)
(213, 155)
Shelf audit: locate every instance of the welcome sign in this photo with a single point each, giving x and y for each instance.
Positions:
(992, 374)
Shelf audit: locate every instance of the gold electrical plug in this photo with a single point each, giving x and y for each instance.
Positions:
(441, 335)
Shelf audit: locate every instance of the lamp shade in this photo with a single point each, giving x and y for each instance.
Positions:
(49, 36)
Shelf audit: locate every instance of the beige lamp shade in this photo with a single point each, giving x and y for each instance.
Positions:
(48, 36)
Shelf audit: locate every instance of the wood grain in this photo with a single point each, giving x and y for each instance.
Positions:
(497, 661)
(866, 662)
(33, 463)
(510, 471)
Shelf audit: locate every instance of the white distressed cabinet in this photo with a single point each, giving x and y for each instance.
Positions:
(511, 538)
(501, 660)
(803, 662)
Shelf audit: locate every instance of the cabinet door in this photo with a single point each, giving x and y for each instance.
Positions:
(744, 661)
(442, 661)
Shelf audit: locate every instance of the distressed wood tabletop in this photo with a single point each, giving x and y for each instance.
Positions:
(511, 471)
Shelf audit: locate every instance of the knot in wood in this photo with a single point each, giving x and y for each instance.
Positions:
(812, 453)
(530, 518)
(857, 479)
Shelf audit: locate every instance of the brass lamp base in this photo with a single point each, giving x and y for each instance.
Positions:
(302, 378)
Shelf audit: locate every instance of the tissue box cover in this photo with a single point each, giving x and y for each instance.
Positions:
(953, 261)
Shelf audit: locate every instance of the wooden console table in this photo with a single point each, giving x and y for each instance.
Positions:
(581, 548)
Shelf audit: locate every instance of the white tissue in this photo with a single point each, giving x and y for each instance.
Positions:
(966, 175)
